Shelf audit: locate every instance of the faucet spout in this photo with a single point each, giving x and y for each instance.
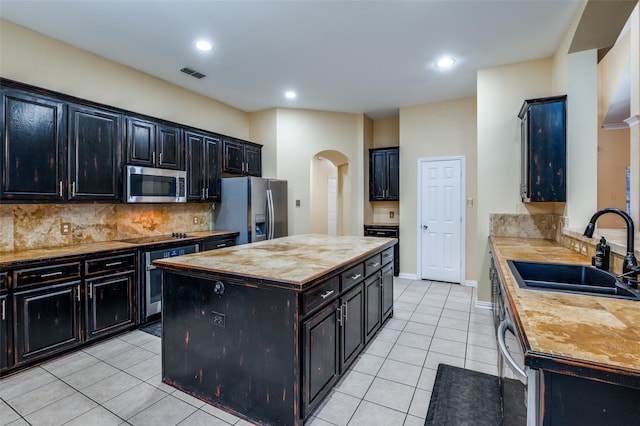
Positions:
(630, 264)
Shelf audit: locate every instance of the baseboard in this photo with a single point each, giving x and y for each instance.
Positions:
(408, 276)
(470, 283)
(484, 305)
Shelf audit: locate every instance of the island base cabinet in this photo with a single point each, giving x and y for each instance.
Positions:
(46, 321)
(321, 363)
(352, 335)
(387, 292)
(574, 401)
(233, 346)
(110, 304)
(373, 294)
(6, 352)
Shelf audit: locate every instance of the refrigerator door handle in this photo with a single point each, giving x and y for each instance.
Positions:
(270, 212)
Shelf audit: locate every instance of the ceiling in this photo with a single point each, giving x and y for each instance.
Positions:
(369, 57)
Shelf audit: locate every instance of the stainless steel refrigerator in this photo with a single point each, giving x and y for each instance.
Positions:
(255, 207)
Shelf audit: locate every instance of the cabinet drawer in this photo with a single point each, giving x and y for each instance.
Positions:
(373, 264)
(381, 232)
(216, 244)
(110, 264)
(387, 256)
(3, 281)
(321, 294)
(352, 276)
(46, 274)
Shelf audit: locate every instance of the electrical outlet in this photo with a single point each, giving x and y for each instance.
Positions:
(195, 220)
(297, 203)
(391, 215)
(65, 228)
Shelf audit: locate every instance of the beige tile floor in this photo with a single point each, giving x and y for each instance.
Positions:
(118, 382)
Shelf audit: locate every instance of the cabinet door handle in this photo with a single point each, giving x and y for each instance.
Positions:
(4, 316)
(153, 157)
(355, 277)
(78, 292)
(202, 193)
(339, 311)
(114, 263)
(206, 193)
(327, 294)
(73, 189)
(60, 188)
(91, 291)
(344, 312)
(160, 158)
(51, 274)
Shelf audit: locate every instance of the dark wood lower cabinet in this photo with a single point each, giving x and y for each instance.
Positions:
(372, 295)
(387, 291)
(352, 330)
(321, 355)
(5, 341)
(46, 320)
(109, 304)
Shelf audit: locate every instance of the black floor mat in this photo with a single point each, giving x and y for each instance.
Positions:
(464, 397)
(154, 328)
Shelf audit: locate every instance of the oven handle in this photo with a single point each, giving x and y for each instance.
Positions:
(502, 330)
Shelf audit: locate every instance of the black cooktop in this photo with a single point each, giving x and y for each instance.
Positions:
(156, 238)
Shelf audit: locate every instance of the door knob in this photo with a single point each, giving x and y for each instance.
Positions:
(425, 227)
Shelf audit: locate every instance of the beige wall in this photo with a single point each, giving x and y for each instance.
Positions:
(263, 128)
(33, 58)
(435, 130)
(386, 132)
(321, 170)
(301, 135)
(501, 92)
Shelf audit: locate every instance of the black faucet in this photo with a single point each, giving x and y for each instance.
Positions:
(630, 268)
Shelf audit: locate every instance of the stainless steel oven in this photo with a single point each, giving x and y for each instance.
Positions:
(520, 393)
(153, 276)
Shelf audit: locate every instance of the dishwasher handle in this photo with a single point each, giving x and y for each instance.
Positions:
(502, 330)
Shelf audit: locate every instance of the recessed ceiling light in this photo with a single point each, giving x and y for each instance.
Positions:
(445, 62)
(205, 46)
(290, 94)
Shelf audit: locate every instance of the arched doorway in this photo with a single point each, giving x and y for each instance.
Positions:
(328, 191)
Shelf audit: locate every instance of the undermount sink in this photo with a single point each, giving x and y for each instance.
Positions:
(580, 279)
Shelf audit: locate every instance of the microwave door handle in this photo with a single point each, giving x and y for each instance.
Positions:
(502, 330)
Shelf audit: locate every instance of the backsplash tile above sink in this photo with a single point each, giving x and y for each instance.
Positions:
(35, 226)
(545, 226)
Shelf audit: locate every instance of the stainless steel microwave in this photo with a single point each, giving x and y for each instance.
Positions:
(153, 185)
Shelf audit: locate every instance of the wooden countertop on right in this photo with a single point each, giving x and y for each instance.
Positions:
(570, 330)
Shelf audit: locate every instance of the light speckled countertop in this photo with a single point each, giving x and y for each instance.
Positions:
(590, 332)
(7, 259)
(296, 260)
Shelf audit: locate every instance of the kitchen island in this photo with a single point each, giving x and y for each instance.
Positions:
(265, 330)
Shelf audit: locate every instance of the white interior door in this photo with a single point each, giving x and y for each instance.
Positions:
(441, 220)
(332, 203)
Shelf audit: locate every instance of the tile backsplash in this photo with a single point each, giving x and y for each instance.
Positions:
(546, 226)
(35, 226)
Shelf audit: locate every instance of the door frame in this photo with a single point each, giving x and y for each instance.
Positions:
(463, 213)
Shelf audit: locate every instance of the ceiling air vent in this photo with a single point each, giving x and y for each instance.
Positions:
(192, 73)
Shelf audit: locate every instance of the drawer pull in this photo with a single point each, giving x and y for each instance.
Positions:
(221, 245)
(374, 264)
(51, 274)
(327, 294)
(355, 277)
(114, 263)
(388, 255)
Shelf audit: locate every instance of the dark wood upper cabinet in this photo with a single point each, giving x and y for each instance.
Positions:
(154, 145)
(544, 149)
(94, 154)
(384, 174)
(203, 166)
(241, 158)
(33, 151)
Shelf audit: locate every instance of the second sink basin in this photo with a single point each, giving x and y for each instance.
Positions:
(569, 278)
